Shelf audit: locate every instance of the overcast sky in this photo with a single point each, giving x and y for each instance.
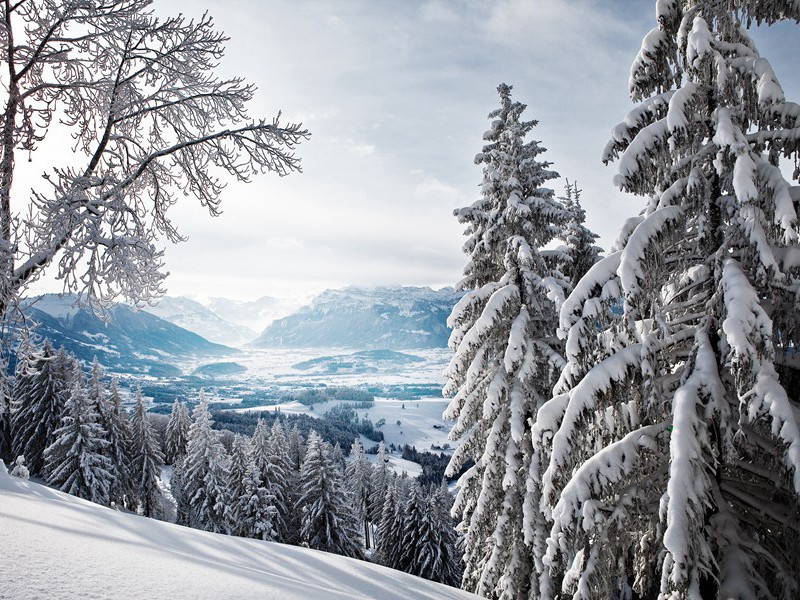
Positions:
(395, 94)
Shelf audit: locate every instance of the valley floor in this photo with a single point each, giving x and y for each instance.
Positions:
(54, 545)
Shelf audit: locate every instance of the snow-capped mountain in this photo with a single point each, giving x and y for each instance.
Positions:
(60, 546)
(391, 318)
(126, 341)
(192, 315)
(254, 314)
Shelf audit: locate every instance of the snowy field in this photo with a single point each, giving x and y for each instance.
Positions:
(57, 546)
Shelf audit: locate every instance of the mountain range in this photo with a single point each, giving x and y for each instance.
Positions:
(125, 340)
(366, 318)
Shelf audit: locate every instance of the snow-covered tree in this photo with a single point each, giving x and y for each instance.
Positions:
(670, 455)
(412, 515)
(437, 556)
(204, 477)
(579, 249)
(280, 482)
(389, 535)
(146, 460)
(37, 406)
(177, 434)
(252, 508)
(75, 462)
(20, 470)
(117, 433)
(506, 353)
(381, 478)
(5, 412)
(151, 121)
(328, 522)
(358, 476)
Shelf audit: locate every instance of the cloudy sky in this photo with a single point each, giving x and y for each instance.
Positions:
(396, 94)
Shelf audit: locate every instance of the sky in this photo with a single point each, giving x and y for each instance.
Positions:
(395, 94)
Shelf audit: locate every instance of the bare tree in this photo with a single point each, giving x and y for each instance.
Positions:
(149, 121)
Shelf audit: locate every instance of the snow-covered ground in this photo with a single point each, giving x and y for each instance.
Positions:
(57, 546)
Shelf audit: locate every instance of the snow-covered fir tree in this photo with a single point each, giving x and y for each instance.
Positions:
(579, 249)
(381, 478)
(411, 517)
(437, 556)
(204, 477)
(253, 505)
(117, 433)
(389, 534)
(328, 522)
(506, 354)
(146, 461)
(40, 393)
(5, 412)
(280, 482)
(358, 479)
(670, 457)
(75, 462)
(177, 434)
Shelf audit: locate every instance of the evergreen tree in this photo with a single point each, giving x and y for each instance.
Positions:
(177, 434)
(37, 406)
(278, 481)
(506, 354)
(327, 520)
(125, 487)
(390, 529)
(579, 246)
(338, 458)
(241, 455)
(381, 477)
(5, 413)
(411, 528)
(436, 556)
(147, 460)
(670, 456)
(117, 434)
(358, 475)
(253, 505)
(204, 479)
(75, 461)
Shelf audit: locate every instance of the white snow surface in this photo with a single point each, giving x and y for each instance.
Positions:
(58, 546)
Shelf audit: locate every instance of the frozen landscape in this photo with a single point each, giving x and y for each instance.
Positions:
(59, 546)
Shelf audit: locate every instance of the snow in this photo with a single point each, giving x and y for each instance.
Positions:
(55, 545)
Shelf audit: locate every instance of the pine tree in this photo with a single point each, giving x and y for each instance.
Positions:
(117, 434)
(204, 480)
(124, 490)
(411, 523)
(177, 433)
(147, 460)
(327, 520)
(5, 413)
(506, 354)
(579, 241)
(436, 556)
(381, 477)
(279, 482)
(75, 461)
(670, 456)
(37, 406)
(253, 509)
(390, 530)
(357, 476)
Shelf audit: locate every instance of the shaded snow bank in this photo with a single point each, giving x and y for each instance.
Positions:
(56, 545)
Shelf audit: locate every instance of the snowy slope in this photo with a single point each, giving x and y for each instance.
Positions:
(57, 546)
(390, 318)
(192, 315)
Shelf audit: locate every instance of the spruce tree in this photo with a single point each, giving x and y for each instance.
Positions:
(5, 413)
(124, 490)
(437, 556)
(357, 476)
(253, 505)
(204, 478)
(579, 247)
(670, 456)
(411, 529)
(75, 461)
(506, 354)
(328, 523)
(177, 433)
(381, 478)
(390, 530)
(146, 462)
(277, 479)
(40, 393)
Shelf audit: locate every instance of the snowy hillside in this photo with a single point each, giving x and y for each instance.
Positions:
(392, 318)
(56, 545)
(190, 314)
(128, 341)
